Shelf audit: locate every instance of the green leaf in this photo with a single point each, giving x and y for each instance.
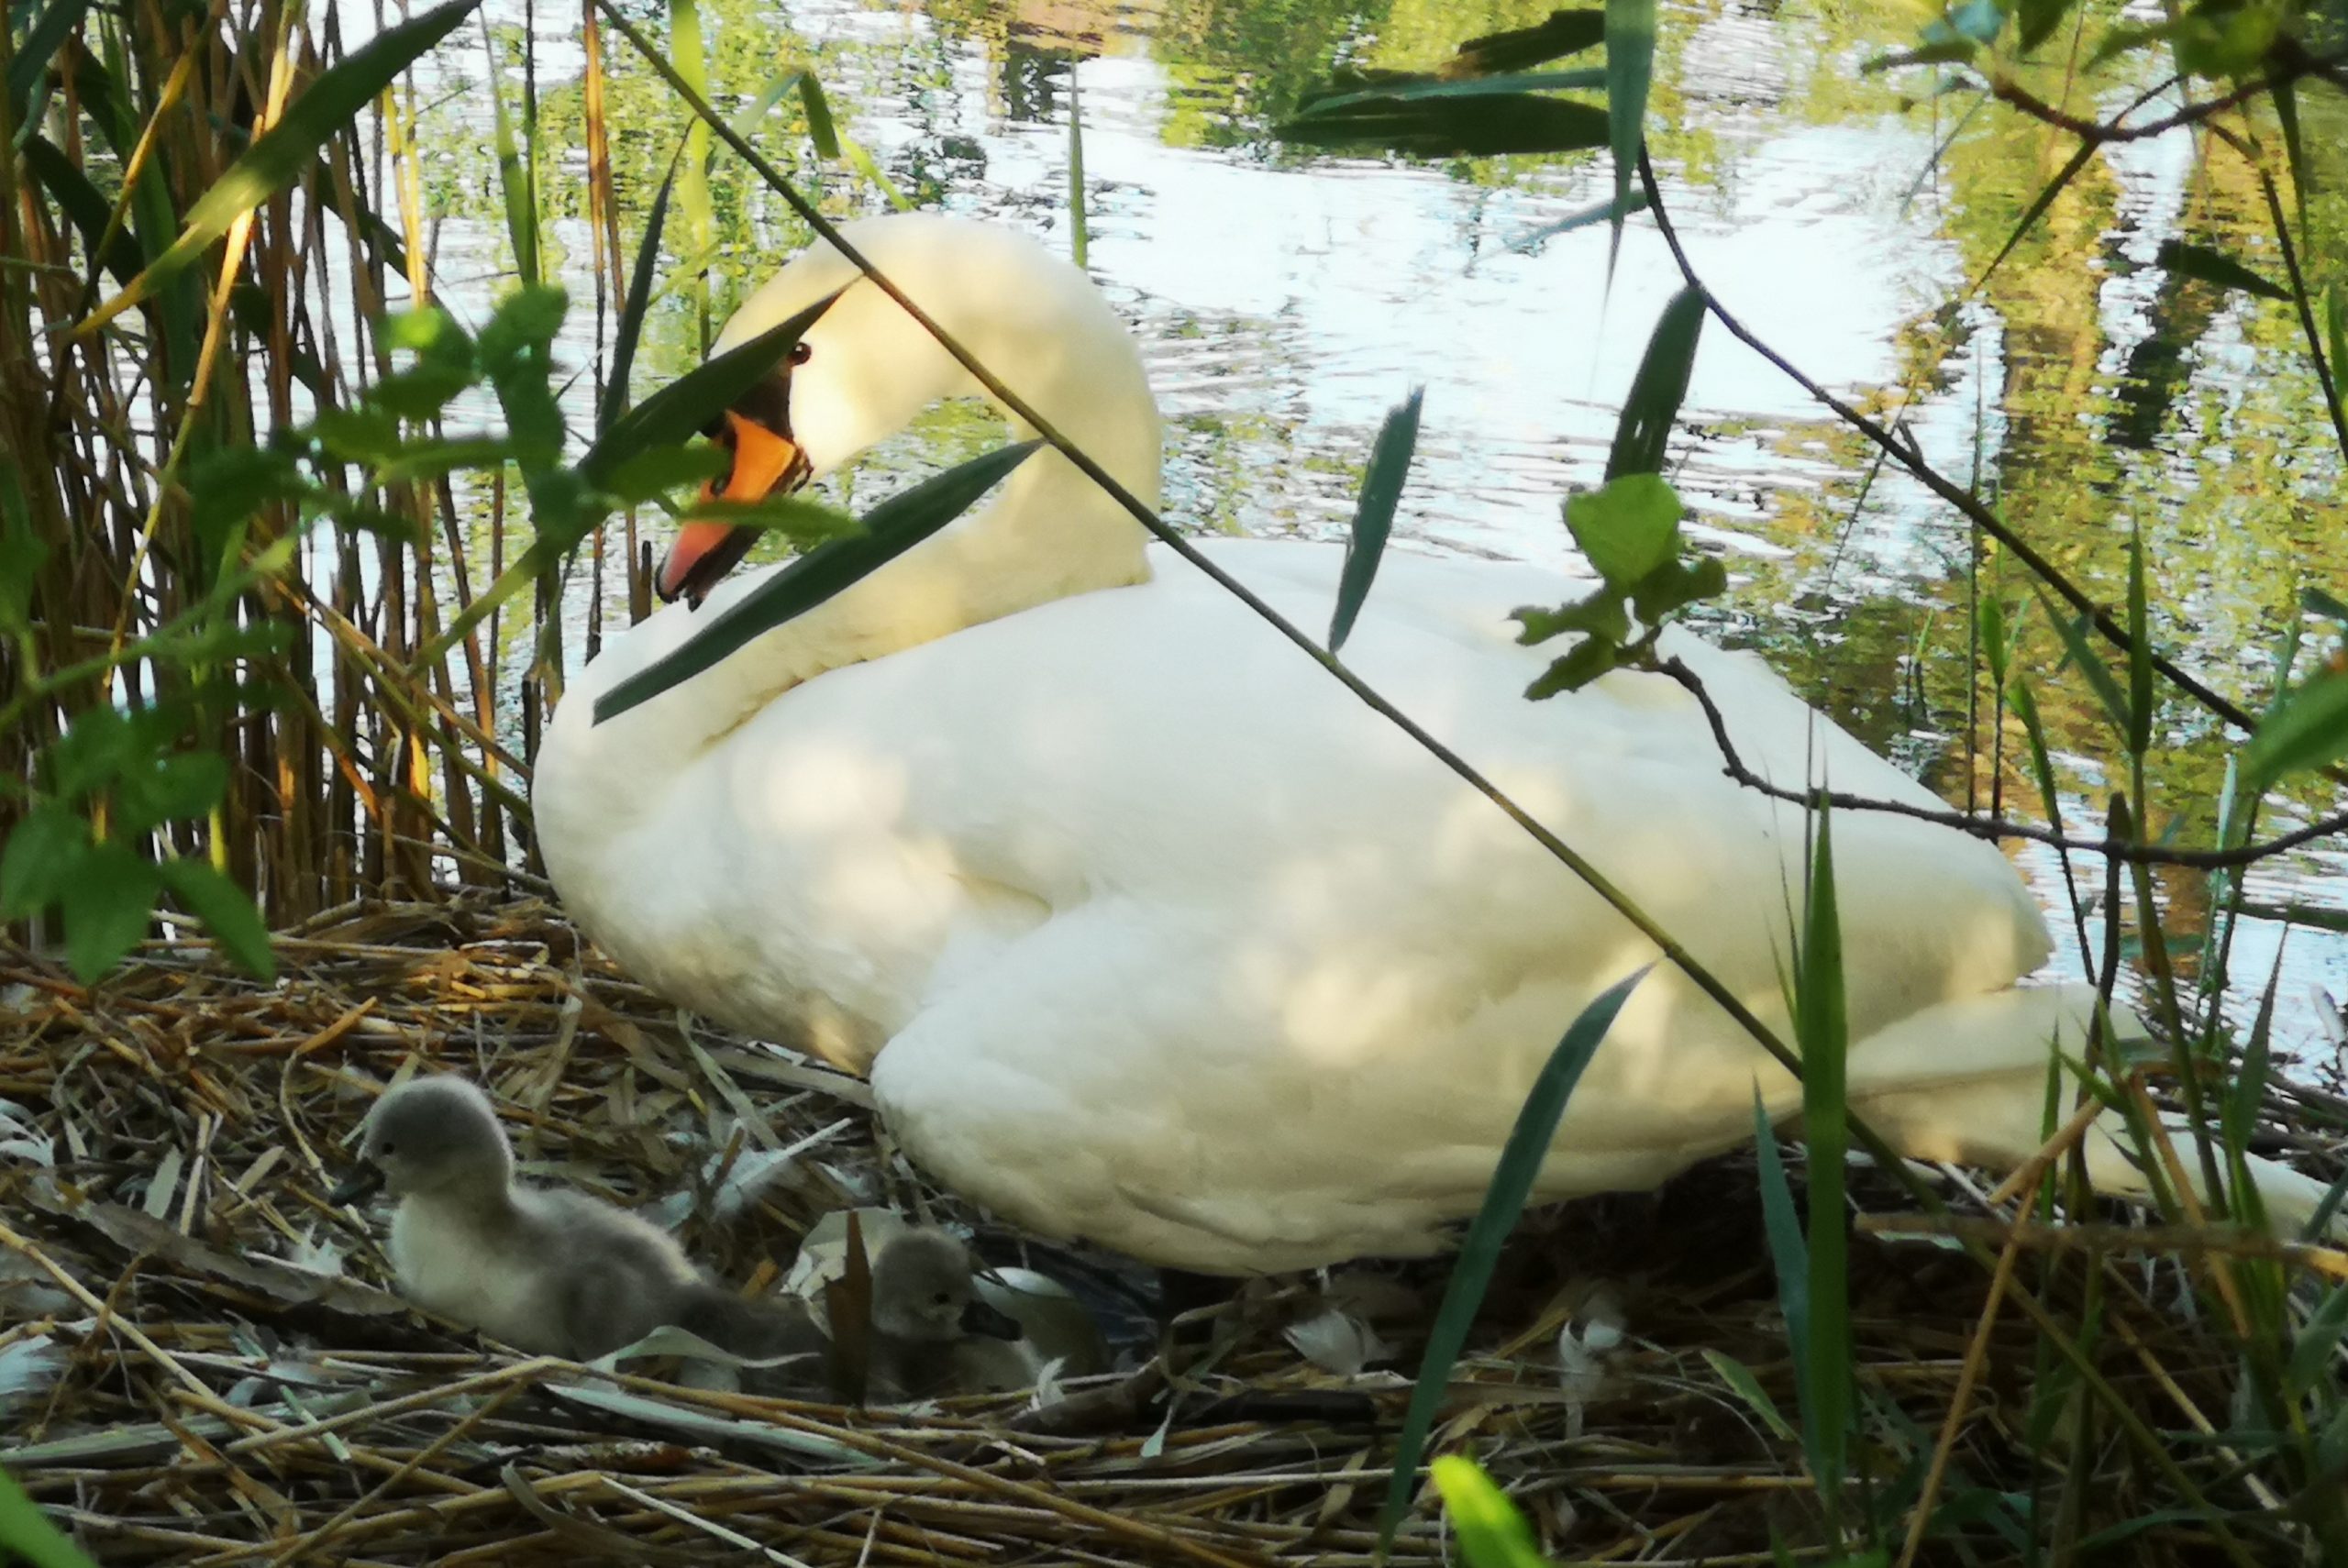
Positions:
(1528, 1145)
(176, 787)
(1980, 20)
(25, 1532)
(1675, 584)
(1627, 529)
(21, 555)
(1821, 1029)
(687, 405)
(2210, 266)
(513, 175)
(1588, 659)
(1630, 65)
(446, 363)
(229, 485)
(83, 206)
(892, 528)
(1747, 1388)
(1656, 391)
(431, 458)
(1608, 211)
(640, 300)
(44, 848)
(517, 352)
(2035, 20)
(1455, 128)
(1600, 615)
(1381, 490)
(42, 43)
(1492, 1533)
(793, 517)
(2316, 602)
(2139, 650)
(2082, 653)
(339, 95)
(227, 911)
(2308, 729)
(2126, 36)
(91, 753)
(1947, 51)
(361, 435)
(641, 478)
(1561, 34)
(819, 117)
(106, 907)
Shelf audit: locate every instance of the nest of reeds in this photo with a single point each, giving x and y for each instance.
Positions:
(201, 1361)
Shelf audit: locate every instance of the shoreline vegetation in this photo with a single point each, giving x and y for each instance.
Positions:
(263, 784)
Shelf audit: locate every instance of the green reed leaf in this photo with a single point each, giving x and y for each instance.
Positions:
(1381, 491)
(2200, 261)
(889, 529)
(1643, 430)
(227, 911)
(1519, 1165)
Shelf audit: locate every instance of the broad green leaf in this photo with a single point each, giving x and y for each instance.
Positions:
(229, 484)
(1381, 490)
(1455, 128)
(96, 748)
(429, 457)
(2309, 729)
(339, 95)
(2123, 37)
(42, 43)
(892, 528)
(43, 849)
(1821, 1030)
(664, 468)
(1520, 1164)
(360, 434)
(1492, 1533)
(2035, 20)
(687, 405)
(1980, 20)
(640, 300)
(518, 353)
(1675, 585)
(172, 789)
(2214, 267)
(1588, 659)
(27, 1534)
(1627, 529)
(1600, 614)
(1630, 65)
(88, 211)
(227, 911)
(795, 517)
(1643, 430)
(1562, 33)
(1747, 1388)
(446, 362)
(106, 905)
(819, 117)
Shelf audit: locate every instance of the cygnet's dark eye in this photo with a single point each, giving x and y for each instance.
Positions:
(944, 1300)
(385, 1150)
(801, 353)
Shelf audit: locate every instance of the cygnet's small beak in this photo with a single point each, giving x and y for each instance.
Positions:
(703, 551)
(981, 1317)
(366, 1179)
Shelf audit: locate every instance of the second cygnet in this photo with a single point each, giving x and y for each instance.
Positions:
(935, 1333)
(547, 1271)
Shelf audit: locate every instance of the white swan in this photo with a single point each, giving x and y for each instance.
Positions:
(1147, 931)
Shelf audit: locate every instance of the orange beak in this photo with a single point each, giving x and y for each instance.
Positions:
(703, 552)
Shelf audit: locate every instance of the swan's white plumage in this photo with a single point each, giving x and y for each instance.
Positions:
(1149, 933)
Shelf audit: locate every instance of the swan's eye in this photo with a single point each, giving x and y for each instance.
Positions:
(385, 1151)
(801, 353)
(944, 1300)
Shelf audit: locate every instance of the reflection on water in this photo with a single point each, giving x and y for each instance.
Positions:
(1285, 303)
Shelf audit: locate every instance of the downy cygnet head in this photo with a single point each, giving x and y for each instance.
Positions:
(921, 1292)
(430, 1135)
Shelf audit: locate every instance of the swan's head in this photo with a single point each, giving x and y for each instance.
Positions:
(431, 1135)
(923, 1292)
(866, 368)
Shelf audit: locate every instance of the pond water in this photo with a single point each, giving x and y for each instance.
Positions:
(1286, 299)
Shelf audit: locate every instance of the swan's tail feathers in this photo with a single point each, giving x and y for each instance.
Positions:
(1965, 1083)
(793, 1352)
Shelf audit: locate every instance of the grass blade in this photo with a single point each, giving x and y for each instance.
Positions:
(1381, 488)
(1789, 1253)
(1630, 67)
(1521, 1156)
(1821, 1028)
(1564, 33)
(2139, 650)
(630, 330)
(25, 1532)
(521, 217)
(1079, 237)
(41, 43)
(892, 528)
(291, 144)
(2198, 261)
(1656, 391)
(1492, 1532)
